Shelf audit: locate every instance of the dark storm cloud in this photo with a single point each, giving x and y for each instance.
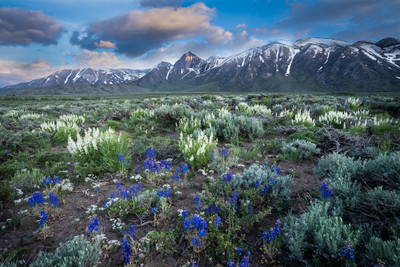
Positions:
(23, 27)
(160, 3)
(138, 32)
(344, 17)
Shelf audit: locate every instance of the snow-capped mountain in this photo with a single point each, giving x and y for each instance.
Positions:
(312, 64)
(84, 76)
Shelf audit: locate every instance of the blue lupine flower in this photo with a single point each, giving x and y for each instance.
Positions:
(184, 213)
(151, 153)
(265, 190)
(138, 169)
(121, 158)
(97, 190)
(154, 210)
(224, 153)
(347, 251)
(257, 185)
(178, 170)
(276, 169)
(231, 263)
(212, 155)
(202, 232)
(272, 181)
(251, 209)
(186, 224)
(195, 241)
(273, 232)
(126, 250)
(227, 177)
(197, 202)
(175, 178)
(213, 210)
(56, 179)
(44, 181)
(36, 198)
(132, 231)
(105, 204)
(234, 200)
(239, 251)
(217, 221)
(112, 195)
(326, 193)
(245, 262)
(53, 199)
(198, 222)
(162, 193)
(43, 218)
(185, 167)
(93, 225)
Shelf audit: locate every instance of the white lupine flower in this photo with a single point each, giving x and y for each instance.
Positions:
(255, 109)
(303, 117)
(353, 101)
(91, 140)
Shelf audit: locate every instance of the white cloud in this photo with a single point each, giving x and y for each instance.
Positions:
(100, 60)
(12, 72)
(105, 44)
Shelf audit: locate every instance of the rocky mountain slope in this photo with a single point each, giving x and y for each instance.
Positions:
(82, 76)
(312, 64)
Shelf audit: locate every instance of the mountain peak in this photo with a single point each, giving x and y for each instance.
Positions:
(189, 60)
(386, 42)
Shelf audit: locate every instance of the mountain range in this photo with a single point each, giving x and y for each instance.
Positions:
(307, 65)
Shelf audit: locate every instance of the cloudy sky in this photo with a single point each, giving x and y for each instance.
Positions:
(38, 37)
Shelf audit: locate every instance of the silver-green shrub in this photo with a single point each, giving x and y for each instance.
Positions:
(337, 164)
(320, 231)
(384, 167)
(229, 127)
(299, 149)
(386, 251)
(248, 178)
(76, 252)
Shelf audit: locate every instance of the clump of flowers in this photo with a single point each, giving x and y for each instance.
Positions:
(353, 102)
(196, 229)
(245, 259)
(335, 118)
(188, 125)
(102, 147)
(303, 117)
(271, 243)
(50, 180)
(65, 126)
(53, 199)
(126, 250)
(326, 193)
(255, 109)
(93, 225)
(162, 193)
(36, 198)
(197, 152)
(273, 232)
(347, 251)
(43, 218)
(151, 153)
